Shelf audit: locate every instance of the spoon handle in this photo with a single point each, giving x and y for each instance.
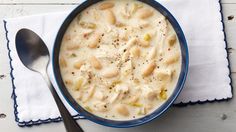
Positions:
(70, 124)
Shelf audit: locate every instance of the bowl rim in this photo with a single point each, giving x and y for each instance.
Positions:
(126, 123)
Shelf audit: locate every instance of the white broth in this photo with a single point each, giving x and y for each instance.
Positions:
(120, 59)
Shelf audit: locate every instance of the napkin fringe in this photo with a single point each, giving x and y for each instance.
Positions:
(227, 49)
(11, 73)
(58, 119)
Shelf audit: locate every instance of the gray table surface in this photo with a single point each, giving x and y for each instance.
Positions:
(197, 118)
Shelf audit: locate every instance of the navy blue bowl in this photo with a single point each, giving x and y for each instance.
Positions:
(112, 123)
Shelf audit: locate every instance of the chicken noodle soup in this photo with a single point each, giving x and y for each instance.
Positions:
(120, 59)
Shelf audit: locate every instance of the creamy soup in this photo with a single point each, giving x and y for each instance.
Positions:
(120, 59)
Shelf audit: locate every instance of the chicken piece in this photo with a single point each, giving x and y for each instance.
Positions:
(122, 110)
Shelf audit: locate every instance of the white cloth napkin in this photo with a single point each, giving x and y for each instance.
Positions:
(208, 77)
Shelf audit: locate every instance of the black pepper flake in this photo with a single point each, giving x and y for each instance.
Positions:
(73, 73)
(3, 116)
(134, 117)
(102, 34)
(127, 60)
(125, 28)
(231, 17)
(168, 49)
(125, 50)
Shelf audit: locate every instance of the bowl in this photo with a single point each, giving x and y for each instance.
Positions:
(127, 123)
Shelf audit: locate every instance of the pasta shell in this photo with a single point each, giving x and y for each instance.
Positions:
(122, 110)
(94, 41)
(95, 63)
(78, 64)
(144, 13)
(149, 69)
(172, 40)
(172, 59)
(111, 18)
(111, 72)
(105, 5)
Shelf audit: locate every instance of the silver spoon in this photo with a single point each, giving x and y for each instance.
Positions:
(34, 55)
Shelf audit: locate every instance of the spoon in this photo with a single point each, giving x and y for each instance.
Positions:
(34, 54)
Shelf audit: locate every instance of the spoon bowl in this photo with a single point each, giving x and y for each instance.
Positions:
(31, 49)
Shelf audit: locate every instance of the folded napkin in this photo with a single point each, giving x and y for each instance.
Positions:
(208, 77)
